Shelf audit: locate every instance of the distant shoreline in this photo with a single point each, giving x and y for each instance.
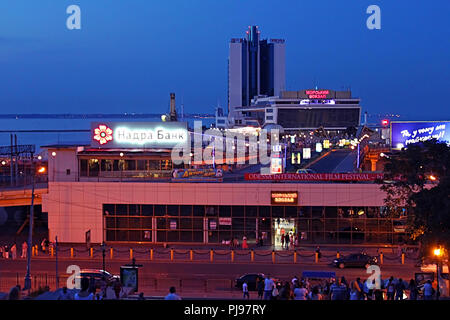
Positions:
(96, 116)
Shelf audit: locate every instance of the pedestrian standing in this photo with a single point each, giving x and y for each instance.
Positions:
(43, 245)
(24, 250)
(354, 293)
(244, 243)
(300, 292)
(428, 291)
(268, 288)
(245, 291)
(14, 251)
(6, 252)
(286, 241)
(172, 295)
(413, 290)
(84, 293)
(64, 294)
(399, 289)
(260, 288)
(390, 289)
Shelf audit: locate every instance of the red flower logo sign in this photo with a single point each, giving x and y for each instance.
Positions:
(103, 134)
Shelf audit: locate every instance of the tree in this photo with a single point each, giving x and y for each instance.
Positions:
(417, 178)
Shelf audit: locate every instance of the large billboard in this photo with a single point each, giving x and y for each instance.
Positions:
(404, 133)
(138, 134)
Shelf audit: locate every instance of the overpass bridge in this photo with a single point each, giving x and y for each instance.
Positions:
(10, 197)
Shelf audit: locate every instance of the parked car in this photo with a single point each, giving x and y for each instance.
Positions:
(305, 171)
(361, 260)
(99, 276)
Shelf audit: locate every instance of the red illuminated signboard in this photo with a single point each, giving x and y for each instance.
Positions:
(284, 197)
(317, 94)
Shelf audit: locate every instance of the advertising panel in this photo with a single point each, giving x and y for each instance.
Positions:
(315, 177)
(284, 197)
(405, 133)
(197, 174)
(138, 134)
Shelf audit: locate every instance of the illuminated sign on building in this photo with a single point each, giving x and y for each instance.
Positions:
(318, 147)
(276, 166)
(406, 133)
(284, 197)
(138, 134)
(326, 144)
(306, 153)
(317, 94)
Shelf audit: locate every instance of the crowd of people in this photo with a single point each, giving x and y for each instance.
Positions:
(341, 289)
(10, 252)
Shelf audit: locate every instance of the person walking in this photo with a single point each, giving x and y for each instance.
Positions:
(285, 291)
(413, 290)
(260, 287)
(24, 250)
(354, 292)
(269, 285)
(287, 240)
(315, 294)
(245, 291)
(172, 295)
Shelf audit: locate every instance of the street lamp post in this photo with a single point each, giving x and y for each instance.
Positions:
(27, 285)
(103, 254)
(438, 254)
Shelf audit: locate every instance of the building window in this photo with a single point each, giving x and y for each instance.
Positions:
(269, 110)
(269, 117)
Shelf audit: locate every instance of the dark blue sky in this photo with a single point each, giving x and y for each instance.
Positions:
(130, 54)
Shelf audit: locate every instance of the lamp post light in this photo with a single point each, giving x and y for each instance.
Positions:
(438, 252)
(27, 285)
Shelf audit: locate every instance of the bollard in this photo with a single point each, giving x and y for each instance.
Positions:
(131, 254)
(403, 258)
(111, 253)
(211, 255)
(381, 257)
(36, 250)
(273, 256)
(171, 254)
(337, 255)
(295, 256)
(191, 255)
(92, 252)
(71, 252)
(317, 257)
(151, 254)
(51, 252)
(232, 255)
(252, 256)
(32, 251)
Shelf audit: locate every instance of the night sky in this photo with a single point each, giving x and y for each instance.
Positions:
(130, 54)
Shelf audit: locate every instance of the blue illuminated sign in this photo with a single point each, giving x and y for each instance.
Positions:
(404, 134)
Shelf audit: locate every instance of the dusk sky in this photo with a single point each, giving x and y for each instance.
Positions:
(130, 54)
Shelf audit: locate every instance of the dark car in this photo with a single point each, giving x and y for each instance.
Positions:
(361, 260)
(252, 281)
(99, 276)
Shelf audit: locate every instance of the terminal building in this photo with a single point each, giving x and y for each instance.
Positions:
(301, 110)
(119, 187)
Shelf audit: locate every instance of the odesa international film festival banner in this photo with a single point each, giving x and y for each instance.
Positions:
(314, 177)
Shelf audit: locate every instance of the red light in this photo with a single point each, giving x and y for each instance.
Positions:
(385, 122)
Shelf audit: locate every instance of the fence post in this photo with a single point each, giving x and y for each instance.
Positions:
(71, 252)
(317, 257)
(273, 256)
(111, 253)
(92, 252)
(131, 254)
(191, 255)
(252, 256)
(171, 254)
(212, 255)
(403, 258)
(381, 257)
(337, 255)
(232, 255)
(151, 254)
(295, 256)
